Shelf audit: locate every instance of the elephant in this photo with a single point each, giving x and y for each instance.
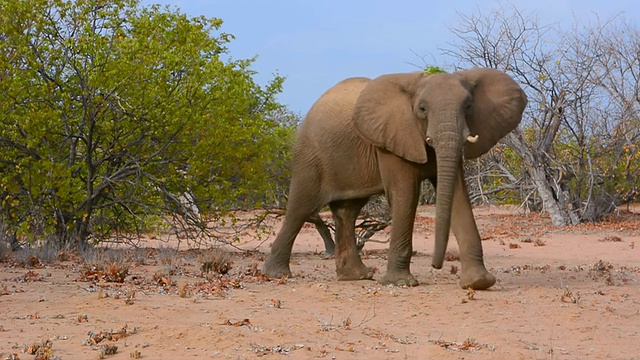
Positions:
(386, 135)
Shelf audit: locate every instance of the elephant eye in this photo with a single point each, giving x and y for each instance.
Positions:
(422, 107)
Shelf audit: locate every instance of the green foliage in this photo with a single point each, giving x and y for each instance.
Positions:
(109, 112)
(429, 70)
(597, 175)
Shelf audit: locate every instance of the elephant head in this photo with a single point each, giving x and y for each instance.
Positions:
(457, 114)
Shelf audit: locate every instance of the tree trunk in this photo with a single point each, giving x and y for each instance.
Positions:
(556, 206)
(554, 200)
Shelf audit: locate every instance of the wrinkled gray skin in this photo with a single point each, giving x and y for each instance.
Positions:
(386, 135)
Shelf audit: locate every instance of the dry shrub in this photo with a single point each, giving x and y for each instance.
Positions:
(106, 266)
(183, 291)
(215, 260)
(41, 350)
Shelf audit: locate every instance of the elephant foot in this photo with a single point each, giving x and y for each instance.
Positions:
(356, 272)
(477, 279)
(399, 278)
(276, 269)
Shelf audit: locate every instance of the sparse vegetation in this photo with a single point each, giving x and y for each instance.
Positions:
(569, 296)
(33, 256)
(41, 350)
(252, 315)
(166, 255)
(106, 265)
(215, 260)
(107, 349)
(468, 345)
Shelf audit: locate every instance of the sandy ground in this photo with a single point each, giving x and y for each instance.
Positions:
(563, 293)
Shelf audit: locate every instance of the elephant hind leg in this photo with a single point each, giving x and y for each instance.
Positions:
(302, 205)
(349, 266)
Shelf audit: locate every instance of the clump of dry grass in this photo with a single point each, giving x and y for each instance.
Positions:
(166, 255)
(107, 266)
(215, 260)
(183, 291)
(42, 350)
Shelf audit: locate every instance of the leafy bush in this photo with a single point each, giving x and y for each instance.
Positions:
(113, 114)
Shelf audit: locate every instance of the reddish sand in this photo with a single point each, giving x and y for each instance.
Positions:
(562, 293)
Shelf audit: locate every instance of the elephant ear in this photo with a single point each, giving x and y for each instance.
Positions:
(498, 103)
(384, 116)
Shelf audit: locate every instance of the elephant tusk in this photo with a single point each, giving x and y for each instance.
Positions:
(472, 138)
(427, 139)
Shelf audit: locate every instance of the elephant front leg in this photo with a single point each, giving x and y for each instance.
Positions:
(349, 265)
(402, 195)
(473, 273)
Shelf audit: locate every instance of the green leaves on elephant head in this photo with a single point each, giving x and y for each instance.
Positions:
(110, 110)
(430, 70)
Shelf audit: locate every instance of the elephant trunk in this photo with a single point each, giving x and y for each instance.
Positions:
(448, 156)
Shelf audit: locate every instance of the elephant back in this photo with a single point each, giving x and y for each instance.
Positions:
(332, 113)
(328, 145)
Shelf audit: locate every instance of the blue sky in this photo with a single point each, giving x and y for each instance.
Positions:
(315, 44)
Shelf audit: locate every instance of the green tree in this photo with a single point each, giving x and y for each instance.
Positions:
(110, 112)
